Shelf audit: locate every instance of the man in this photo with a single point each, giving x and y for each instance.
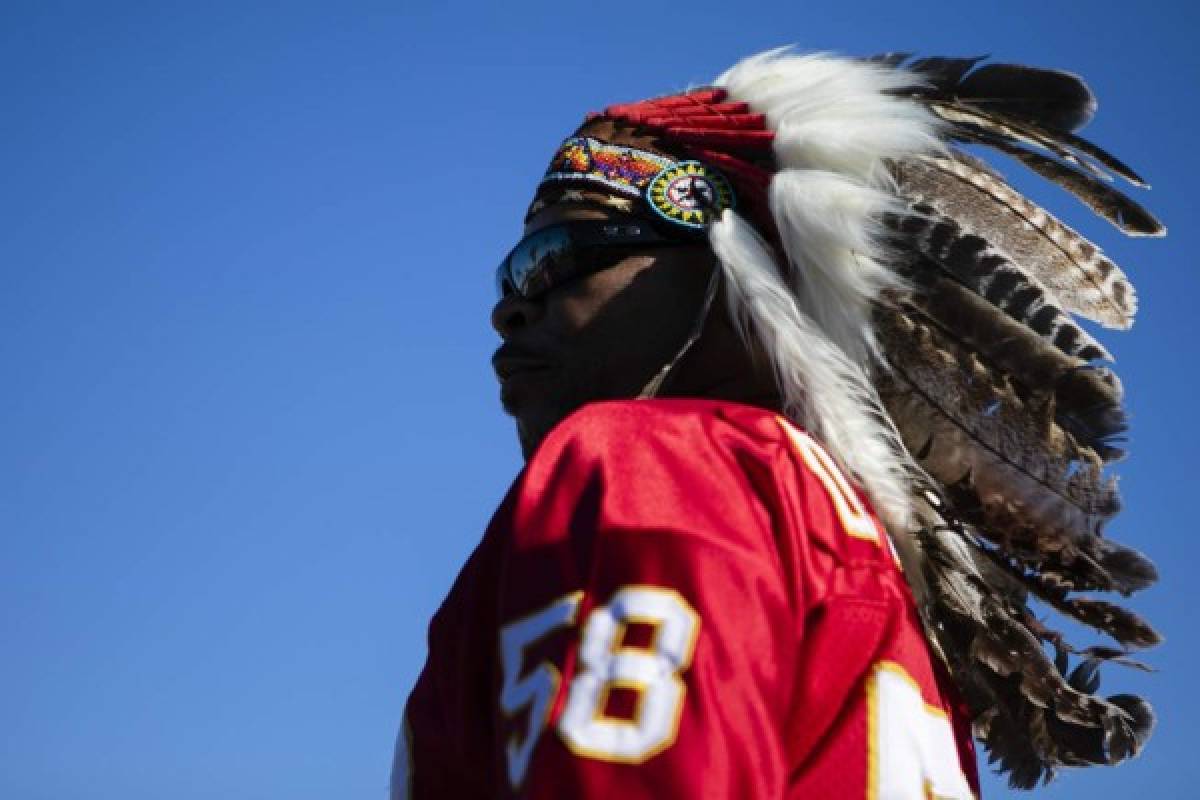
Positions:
(743, 320)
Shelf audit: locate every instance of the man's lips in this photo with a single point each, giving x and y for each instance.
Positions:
(508, 362)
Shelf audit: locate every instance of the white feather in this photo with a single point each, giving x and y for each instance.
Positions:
(835, 114)
(837, 125)
(824, 390)
(830, 229)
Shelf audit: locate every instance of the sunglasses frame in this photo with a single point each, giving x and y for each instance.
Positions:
(559, 262)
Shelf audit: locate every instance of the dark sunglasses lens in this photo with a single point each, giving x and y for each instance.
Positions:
(535, 262)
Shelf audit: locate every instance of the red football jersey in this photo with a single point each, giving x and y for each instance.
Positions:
(682, 598)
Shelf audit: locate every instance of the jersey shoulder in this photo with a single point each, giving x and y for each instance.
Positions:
(711, 457)
(712, 442)
(695, 468)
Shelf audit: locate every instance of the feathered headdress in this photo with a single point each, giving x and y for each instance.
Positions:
(917, 311)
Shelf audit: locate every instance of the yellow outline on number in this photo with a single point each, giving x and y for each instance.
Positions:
(618, 642)
(855, 519)
(515, 740)
(606, 691)
(685, 661)
(873, 726)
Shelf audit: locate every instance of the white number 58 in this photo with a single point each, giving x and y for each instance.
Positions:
(605, 663)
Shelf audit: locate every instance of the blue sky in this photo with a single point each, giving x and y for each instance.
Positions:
(247, 428)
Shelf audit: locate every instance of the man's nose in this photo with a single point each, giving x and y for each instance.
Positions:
(513, 313)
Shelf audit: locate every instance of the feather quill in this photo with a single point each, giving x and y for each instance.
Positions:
(1125, 213)
(1063, 144)
(1053, 99)
(999, 433)
(1066, 264)
(1081, 393)
(972, 261)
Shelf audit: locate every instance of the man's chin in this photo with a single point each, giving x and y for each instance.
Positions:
(527, 441)
(530, 432)
(534, 422)
(538, 400)
(523, 391)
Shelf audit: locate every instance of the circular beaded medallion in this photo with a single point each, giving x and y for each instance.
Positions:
(685, 193)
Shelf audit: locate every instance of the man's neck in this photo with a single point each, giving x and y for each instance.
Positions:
(736, 389)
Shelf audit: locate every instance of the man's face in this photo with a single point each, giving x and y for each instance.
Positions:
(602, 336)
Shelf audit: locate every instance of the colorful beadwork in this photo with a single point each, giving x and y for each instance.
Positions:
(623, 169)
(688, 192)
(683, 192)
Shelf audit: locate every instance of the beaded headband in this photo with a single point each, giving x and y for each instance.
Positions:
(685, 193)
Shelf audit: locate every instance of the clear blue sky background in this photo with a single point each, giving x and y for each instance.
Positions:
(248, 432)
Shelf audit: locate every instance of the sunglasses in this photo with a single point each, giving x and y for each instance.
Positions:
(565, 251)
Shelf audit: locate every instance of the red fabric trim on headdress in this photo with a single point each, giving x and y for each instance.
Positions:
(726, 135)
